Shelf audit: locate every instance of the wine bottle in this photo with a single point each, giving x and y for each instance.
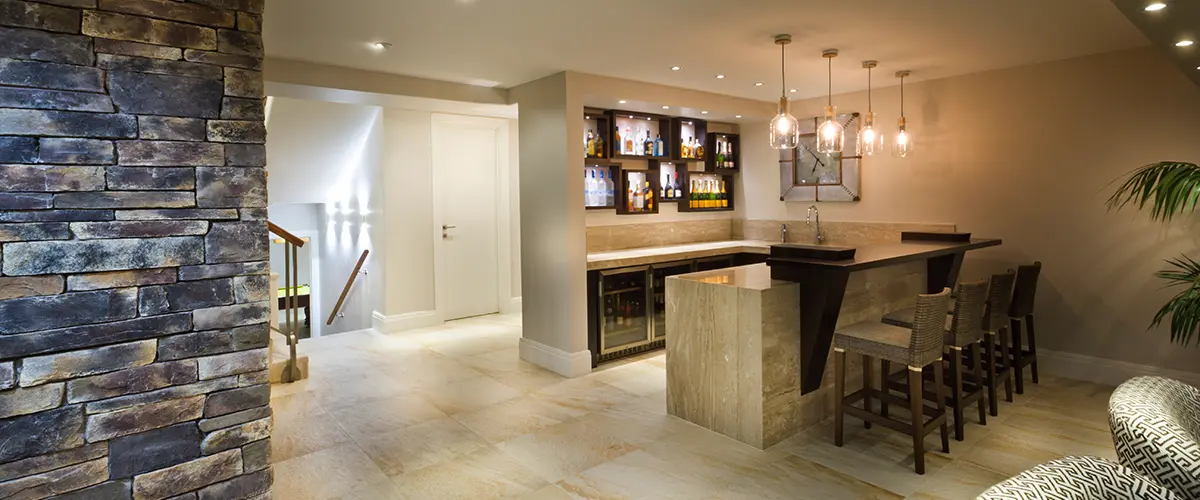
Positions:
(720, 160)
(677, 187)
(663, 185)
(724, 196)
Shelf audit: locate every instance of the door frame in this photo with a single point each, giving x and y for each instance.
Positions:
(503, 210)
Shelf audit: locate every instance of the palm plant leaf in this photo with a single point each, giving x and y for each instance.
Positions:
(1168, 187)
(1184, 308)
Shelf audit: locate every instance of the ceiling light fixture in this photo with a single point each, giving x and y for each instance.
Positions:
(704, 112)
(381, 45)
(785, 129)
(622, 101)
(902, 146)
(1156, 6)
(1184, 43)
(720, 77)
(666, 107)
(870, 141)
(830, 134)
(758, 84)
(792, 91)
(738, 116)
(675, 68)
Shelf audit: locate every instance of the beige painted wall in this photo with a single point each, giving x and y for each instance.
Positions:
(1026, 154)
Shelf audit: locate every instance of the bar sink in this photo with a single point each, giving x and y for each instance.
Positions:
(811, 252)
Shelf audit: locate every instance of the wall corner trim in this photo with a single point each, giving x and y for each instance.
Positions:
(556, 360)
(1105, 371)
(400, 322)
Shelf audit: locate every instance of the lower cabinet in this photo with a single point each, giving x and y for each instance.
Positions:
(627, 307)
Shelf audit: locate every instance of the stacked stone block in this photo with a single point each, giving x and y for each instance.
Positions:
(133, 249)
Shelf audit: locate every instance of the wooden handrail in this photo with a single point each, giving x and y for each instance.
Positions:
(282, 233)
(346, 290)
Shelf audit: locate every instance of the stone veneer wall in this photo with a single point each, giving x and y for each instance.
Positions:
(133, 294)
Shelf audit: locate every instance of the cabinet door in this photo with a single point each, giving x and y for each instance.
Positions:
(660, 273)
(623, 309)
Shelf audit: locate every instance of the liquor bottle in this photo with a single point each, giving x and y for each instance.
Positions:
(677, 187)
(658, 145)
(599, 146)
(649, 198)
(628, 142)
(629, 199)
(664, 184)
(720, 155)
(648, 146)
(619, 313)
(617, 144)
(610, 194)
(699, 150)
(683, 148)
(587, 190)
(591, 144)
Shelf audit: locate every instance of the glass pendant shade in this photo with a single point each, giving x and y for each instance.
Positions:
(785, 129)
(870, 140)
(903, 145)
(830, 134)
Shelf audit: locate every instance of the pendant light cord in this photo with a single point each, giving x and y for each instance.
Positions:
(830, 74)
(902, 97)
(783, 66)
(868, 90)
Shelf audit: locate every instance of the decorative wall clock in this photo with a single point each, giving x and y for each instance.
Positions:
(806, 175)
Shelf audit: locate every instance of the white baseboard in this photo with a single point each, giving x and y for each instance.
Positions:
(401, 322)
(513, 306)
(556, 360)
(1104, 371)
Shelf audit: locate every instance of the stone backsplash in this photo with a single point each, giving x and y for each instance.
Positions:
(655, 234)
(133, 239)
(845, 233)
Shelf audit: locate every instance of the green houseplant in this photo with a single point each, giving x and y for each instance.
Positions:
(1167, 189)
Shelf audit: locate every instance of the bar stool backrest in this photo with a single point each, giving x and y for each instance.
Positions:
(1000, 292)
(967, 326)
(1022, 301)
(929, 329)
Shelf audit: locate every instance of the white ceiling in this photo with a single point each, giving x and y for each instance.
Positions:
(508, 42)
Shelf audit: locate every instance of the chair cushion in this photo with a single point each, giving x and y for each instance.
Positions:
(876, 340)
(1078, 478)
(1154, 424)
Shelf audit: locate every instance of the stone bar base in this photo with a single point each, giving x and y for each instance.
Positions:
(733, 347)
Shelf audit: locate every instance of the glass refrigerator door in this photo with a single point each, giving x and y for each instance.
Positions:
(623, 295)
(660, 274)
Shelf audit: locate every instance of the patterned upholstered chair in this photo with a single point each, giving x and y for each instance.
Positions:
(1078, 478)
(1155, 423)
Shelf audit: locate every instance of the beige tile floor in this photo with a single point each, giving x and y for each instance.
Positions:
(452, 413)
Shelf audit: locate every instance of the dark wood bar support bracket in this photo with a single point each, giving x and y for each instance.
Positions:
(823, 286)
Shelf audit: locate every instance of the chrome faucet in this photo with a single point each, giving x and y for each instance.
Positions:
(813, 213)
(783, 233)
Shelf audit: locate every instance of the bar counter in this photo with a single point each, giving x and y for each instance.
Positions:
(738, 362)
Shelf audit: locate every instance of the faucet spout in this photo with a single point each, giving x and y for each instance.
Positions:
(815, 215)
(783, 233)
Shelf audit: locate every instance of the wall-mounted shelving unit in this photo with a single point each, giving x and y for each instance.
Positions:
(634, 196)
(690, 135)
(634, 129)
(597, 134)
(607, 172)
(671, 177)
(707, 192)
(726, 155)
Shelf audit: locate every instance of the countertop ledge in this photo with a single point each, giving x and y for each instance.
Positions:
(655, 255)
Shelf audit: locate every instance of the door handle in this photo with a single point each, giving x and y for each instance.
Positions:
(446, 228)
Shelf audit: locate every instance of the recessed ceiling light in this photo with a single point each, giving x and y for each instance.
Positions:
(738, 116)
(675, 68)
(793, 90)
(720, 77)
(622, 101)
(758, 84)
(1184, 43)
(1156, 6)
(666, 107)
(381, 45)
(704, 112)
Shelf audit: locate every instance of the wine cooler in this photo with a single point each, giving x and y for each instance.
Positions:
(624, 320)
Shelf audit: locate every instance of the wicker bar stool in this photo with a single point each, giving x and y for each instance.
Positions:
(964, 334)
(1021, 313)
(995, 326)
(916, 348)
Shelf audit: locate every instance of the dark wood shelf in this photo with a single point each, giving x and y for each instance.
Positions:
(640, 157)
(622, 190)
(606, 207)
(735, 143)
(685, 203)
(699, 132)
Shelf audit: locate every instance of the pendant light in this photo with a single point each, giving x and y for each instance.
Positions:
(831, 133)
(903, 145)
(785, 130)
(870, 141)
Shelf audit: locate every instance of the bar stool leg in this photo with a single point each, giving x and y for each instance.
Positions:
(977, 368)
(1018, 366)
(940, 390)
(989, 350)
(1006, 364)
(1032, 347)
(918, 417)
(956, 390)
(839, 388)
(868, 382)
(885, 367)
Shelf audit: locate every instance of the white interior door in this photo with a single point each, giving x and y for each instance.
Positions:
(466, 163)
